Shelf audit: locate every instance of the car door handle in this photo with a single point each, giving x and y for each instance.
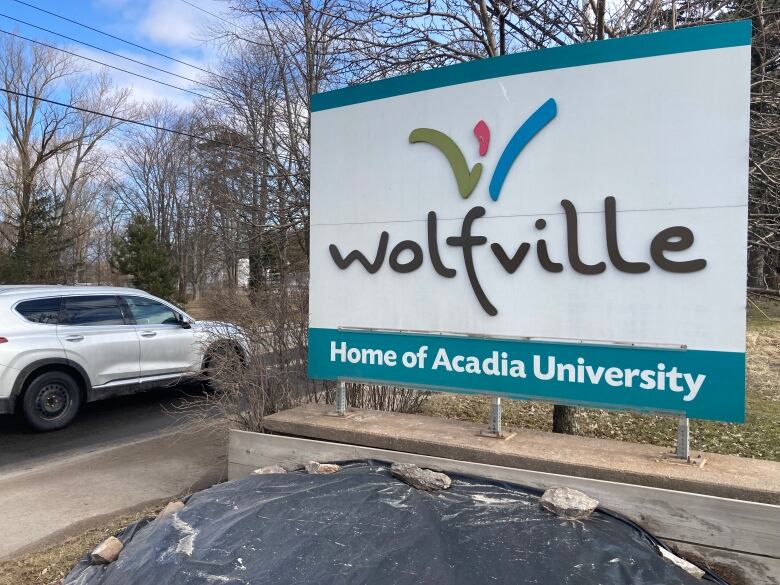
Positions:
(74, 338)
(148, 333)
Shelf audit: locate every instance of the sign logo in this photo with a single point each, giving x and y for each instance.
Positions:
(467, 179)
(672, 239)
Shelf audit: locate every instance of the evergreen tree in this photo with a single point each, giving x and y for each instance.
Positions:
(35, 260)
(148, 262)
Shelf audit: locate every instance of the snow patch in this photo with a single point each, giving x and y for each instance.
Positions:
(218, 578)
(187, 541)
(487, 501)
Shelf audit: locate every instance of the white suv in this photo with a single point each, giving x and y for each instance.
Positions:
(61, 346)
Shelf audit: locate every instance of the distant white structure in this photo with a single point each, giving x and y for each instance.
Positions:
(243, 272)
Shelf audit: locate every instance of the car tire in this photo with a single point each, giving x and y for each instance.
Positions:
(51, 401)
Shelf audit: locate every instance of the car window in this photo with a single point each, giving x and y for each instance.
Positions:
(149, 312)
(40, 310)
(91, 310)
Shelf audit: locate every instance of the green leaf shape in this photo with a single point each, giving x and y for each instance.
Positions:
(467, 179)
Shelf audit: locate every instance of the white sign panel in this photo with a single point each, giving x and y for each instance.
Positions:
(568, 224)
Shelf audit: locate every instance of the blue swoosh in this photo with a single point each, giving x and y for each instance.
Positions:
(530, 128)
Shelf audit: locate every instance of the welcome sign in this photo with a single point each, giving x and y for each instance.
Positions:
(567, 224)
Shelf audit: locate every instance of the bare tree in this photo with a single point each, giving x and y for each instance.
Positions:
(78, 175)
(52, 162)
(397, 36)
(38, 131)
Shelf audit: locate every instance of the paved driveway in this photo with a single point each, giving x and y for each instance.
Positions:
(121, 455)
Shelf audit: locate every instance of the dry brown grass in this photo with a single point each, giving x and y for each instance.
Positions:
(52, 564)
(759, 437)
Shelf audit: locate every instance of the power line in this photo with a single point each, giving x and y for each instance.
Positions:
(109, 52)
(56, 48)
(207, 12)
(128, 120)
(81, 24)
(230, 22)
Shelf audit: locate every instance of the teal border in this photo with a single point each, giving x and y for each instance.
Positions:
(685, 40)
(722, 398)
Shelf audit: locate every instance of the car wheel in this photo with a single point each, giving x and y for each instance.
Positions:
(51, 401)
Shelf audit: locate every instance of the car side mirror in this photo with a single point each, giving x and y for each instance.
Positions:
(183, 322)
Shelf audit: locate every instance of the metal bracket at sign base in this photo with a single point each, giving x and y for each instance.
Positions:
(341, 402)
(682, 452)
(496, 431)
(505, 436)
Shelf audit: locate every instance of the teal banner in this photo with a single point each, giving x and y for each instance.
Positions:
(700, 384)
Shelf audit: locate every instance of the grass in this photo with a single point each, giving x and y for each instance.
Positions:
(52, 564)
(759, 437)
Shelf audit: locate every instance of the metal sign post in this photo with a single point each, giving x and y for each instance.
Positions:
(495, 416)
(341, 398)
(683, 450)
(495, 429)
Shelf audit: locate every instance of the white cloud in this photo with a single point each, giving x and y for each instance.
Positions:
(145, 90)
(176, 24)
(171, 27)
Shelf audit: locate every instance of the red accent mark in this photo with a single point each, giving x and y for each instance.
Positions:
(482, 132)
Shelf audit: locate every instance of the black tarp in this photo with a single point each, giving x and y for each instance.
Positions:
(361, 525)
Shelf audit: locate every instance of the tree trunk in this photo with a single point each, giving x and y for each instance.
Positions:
(564, 420)
(771, 264)
(756, 267)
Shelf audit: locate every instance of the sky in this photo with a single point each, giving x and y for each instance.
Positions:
(171, 27)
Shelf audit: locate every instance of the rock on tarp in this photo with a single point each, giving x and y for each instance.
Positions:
(361, 525)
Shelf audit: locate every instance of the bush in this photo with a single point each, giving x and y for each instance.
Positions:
(271, 375)
(381, 397)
